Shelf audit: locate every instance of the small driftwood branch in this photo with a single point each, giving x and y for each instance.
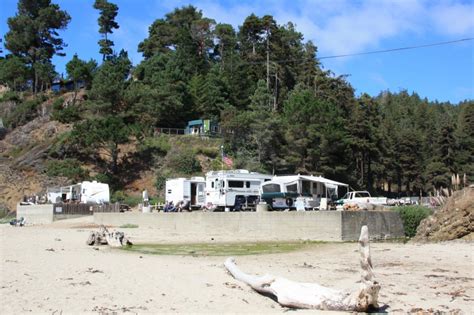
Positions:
(314, 296)
(104, 237)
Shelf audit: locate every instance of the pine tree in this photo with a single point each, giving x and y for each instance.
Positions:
(33, 36)
(13, 72)
(80, 70)
(107, 24)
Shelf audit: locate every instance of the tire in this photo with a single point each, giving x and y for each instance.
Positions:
(289, 202)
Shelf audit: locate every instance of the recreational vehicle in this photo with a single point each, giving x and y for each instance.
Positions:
(183, 189)
(234, 189)
(85, 192)
(300, 192)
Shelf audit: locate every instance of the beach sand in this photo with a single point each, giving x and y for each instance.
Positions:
(50, 269)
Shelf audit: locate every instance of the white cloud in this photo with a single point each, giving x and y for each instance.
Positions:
(454, 19)
(355, 26)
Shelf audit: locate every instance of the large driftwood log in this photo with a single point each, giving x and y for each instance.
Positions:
(104, 237)
(311, 295)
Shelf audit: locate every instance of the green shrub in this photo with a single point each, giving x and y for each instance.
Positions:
(10, 96)
(411, 217)
(64, 115)
(103, 178)
(70, 168)
(128, 226)
(120, 197)
(160, 182)
(22, 113)
(158, 144)
(184, 162)
(208, 151)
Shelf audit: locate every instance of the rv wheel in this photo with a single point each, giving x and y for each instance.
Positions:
(289, 202)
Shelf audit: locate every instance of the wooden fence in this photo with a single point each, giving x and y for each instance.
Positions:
(83, 209)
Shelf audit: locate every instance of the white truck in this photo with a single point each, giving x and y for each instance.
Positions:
(361, 197)
(186, 189)
(234, 189)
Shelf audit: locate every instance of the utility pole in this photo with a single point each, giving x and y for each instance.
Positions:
(275, 104)
(268, 60)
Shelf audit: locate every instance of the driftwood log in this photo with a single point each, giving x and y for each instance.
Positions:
(104, 237)
(314, 296)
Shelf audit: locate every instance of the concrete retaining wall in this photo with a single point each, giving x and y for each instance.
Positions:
(262, 226)
(35, 214)
(382, 224)
(42, 214)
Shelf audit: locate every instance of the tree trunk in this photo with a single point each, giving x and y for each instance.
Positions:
(114, 155)
(369, 174)
(314, 296)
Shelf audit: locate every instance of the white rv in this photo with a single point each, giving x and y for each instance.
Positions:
(234, 189)
(183, 189)
(300, 191)
(85, 192)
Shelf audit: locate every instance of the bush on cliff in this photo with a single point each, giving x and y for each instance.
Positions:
(411, 217)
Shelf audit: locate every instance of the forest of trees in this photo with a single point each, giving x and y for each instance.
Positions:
(279, 110)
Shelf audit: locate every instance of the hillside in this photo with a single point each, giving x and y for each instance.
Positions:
(29, 162)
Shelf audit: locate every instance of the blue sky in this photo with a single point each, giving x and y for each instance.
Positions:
(443, 73)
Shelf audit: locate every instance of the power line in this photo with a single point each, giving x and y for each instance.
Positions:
(398, 49)
(366, 53)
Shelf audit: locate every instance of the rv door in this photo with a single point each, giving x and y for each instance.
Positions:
(201, 198)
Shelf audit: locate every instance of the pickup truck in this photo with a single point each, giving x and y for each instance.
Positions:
(361, 197)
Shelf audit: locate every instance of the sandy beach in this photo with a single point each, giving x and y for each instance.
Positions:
(50, 269)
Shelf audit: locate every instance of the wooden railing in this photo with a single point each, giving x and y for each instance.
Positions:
(83, 209)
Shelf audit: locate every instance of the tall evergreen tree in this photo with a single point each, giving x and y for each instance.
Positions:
(107, 24)
(33, 35)
(464, 158)
(366, 139)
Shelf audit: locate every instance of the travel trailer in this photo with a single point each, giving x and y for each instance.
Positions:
(300, 191)
(234, 189)
(184, 189)
(85, 192)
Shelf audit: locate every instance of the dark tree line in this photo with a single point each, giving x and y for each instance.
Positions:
(279, 110)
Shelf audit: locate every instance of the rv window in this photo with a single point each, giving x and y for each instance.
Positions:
(212, 184)
(83, 190)
(247, 184)
(270, 188)
(292, 188)
(306, 187)
(362, 195)
(267, 179)
(169, 191)
(236, 184)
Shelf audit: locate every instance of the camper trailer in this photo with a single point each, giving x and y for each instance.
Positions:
(300, 192)
(183, 189)
(234, 189)
(85, 192)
